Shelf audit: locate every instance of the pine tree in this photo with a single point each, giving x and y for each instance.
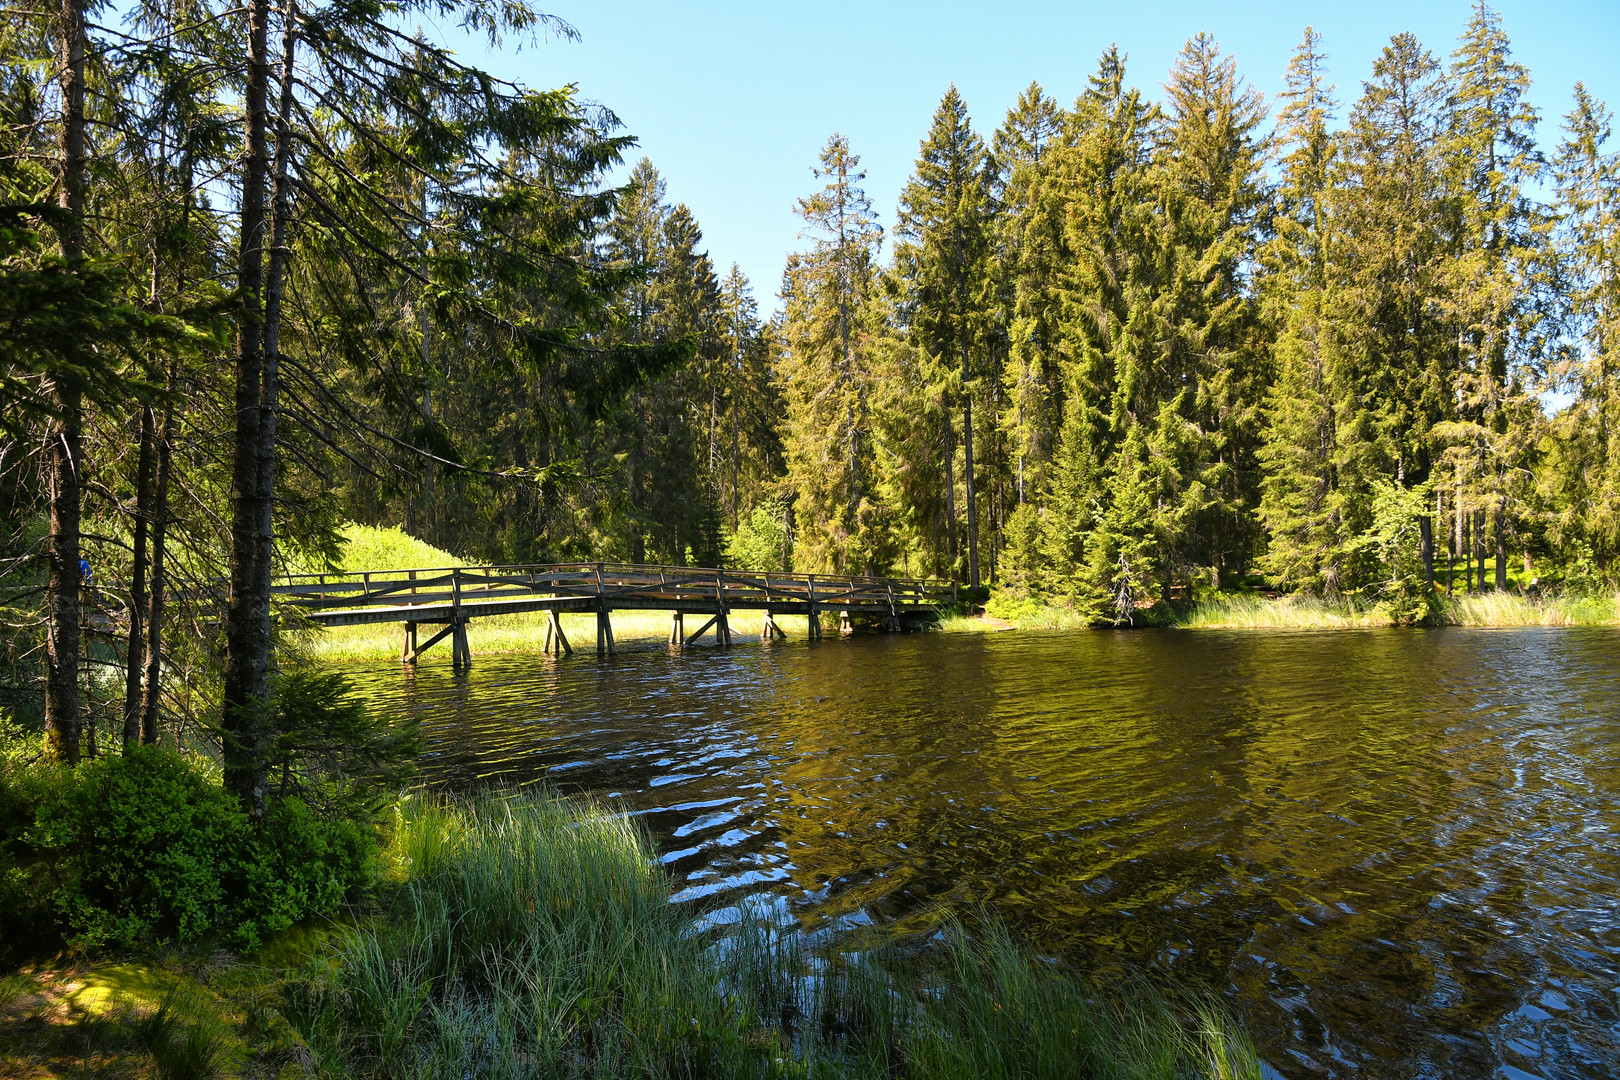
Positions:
(1029, 254)
(1315, 423)
(1212, 193)
(825, 375)
(1395, 349)
(1106, 287)
(1588, 433)
(945, 222)
(1491, 164)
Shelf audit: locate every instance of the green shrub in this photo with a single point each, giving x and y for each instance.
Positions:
(27, 779)
(293, 865)
(148, 850)
(760, 540)
(141, 839)
(343, 761)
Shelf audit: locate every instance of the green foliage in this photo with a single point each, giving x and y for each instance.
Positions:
(292, 865)
(328, 751)
(140, 841)
(367, 547)
(760, 542)
(539, 930)
(27, 779)
(1393, 541)
(145, 848)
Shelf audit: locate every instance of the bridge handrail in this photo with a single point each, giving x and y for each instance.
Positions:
(414, 586)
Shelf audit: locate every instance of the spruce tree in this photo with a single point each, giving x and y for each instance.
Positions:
(1106, 290)
(1212, 194)
(1029, 254)
(1395, 345)
(825, 374)
(1490, 166)
(944, 223)
(1588, 432)
(1315, 425)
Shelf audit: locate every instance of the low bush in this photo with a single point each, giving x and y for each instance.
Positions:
(144, 848)
(27, 780)
(138, 841)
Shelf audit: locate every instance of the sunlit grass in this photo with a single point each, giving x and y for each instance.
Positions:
(1487, 609)
(538, 930)
(525, 633)
(1249, 612)
(1514, 609)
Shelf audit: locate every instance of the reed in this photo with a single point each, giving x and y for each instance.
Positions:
(1251, 612)
(532, 935)
(1516, 609)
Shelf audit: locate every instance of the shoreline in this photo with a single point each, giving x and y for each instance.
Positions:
(522, 635)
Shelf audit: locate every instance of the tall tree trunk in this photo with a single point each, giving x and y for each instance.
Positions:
(65, 465)
(137, 581)
(1501, 552)
(1479, 546)
(950, 493)
(967, 476)
(736, 463)
(1426, 540)
(153, 683)
(247, 644)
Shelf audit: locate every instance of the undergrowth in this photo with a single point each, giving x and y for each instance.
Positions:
(533, 936)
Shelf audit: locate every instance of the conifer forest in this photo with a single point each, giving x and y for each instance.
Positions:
(270, 269)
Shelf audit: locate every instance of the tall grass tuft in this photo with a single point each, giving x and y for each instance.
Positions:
(532, 936)
(1518, 609)
(1295, 612)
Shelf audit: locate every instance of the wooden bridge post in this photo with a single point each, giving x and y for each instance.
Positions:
(407, 651)
(460, 653)
(768, 630)
(722, 628)
(677, 628)
(604, 624)
(556, 640)
(810, 603)
(894, 612)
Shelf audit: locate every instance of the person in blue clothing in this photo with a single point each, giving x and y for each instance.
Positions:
(84, 572)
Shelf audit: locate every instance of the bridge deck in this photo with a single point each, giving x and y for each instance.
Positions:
(450, 596)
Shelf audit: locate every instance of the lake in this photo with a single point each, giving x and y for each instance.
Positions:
(1393, 852)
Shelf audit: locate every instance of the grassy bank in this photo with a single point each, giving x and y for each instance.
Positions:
(533, 937)
(1504, 609)
(538, 931)
(1252, 611)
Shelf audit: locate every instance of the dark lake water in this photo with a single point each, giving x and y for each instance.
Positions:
(1394, 852)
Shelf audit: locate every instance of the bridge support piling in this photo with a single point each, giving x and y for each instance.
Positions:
(407, 651)
(677, 628)
(722, 628)
(845, 626)
(814, 630)
(460, 653)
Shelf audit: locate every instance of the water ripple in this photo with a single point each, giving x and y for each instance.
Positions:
(1394, 851)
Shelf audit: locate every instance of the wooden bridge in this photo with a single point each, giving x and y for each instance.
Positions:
(449, 597)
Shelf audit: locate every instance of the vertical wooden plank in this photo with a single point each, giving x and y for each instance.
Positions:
(458, 634)
(810, 602)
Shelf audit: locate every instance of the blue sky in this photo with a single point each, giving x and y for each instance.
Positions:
(732, 101)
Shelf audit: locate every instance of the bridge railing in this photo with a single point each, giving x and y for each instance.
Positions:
(471, 585)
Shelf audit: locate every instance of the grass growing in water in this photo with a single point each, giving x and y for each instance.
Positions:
(533, 936)
(1252, 612)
